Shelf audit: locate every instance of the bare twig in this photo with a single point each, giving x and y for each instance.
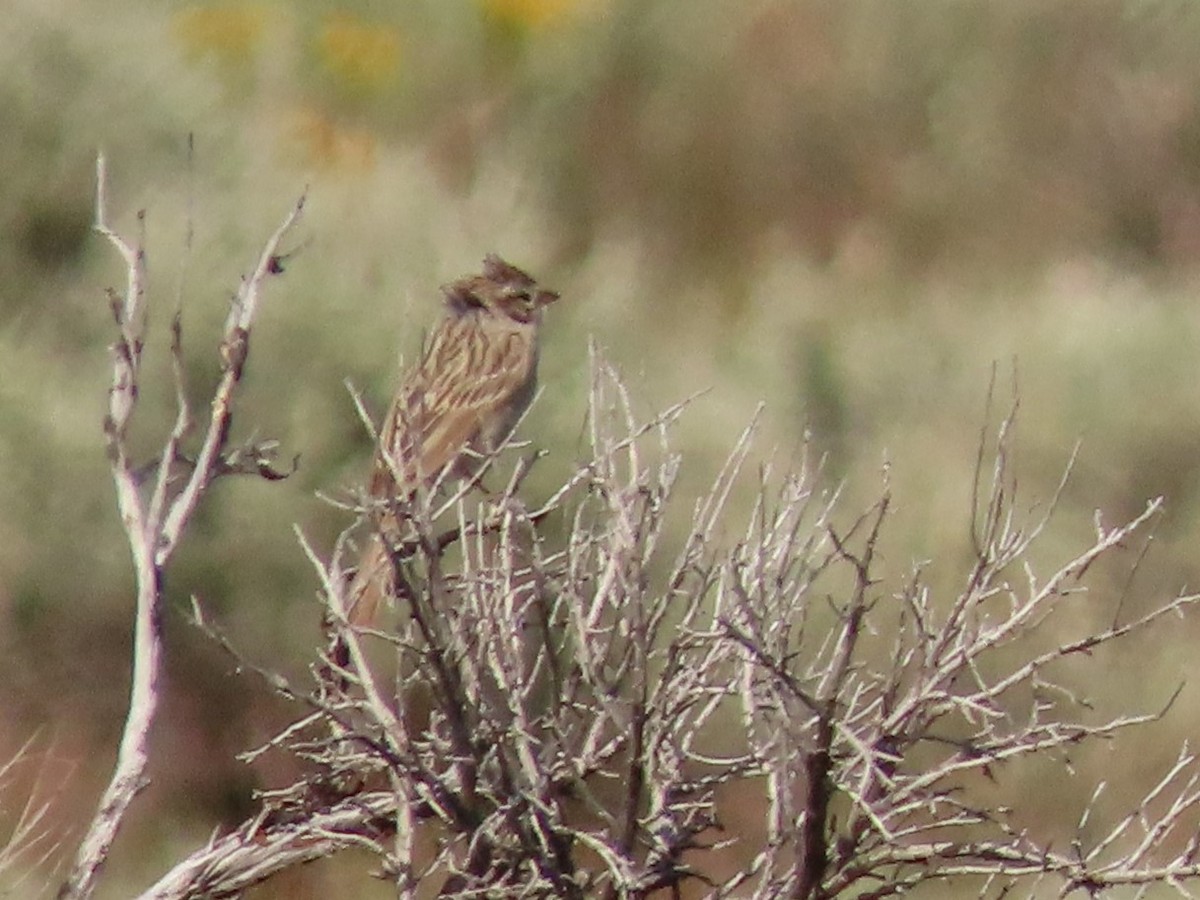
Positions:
(154, 527)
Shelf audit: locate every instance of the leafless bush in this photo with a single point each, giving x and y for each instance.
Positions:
(570, 695)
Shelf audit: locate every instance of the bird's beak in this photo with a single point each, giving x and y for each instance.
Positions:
(545, 298)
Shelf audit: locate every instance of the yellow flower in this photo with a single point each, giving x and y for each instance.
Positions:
(526, 13)
(362, 55)
(229, 33)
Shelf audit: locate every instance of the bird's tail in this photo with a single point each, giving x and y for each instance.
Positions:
(370, 586)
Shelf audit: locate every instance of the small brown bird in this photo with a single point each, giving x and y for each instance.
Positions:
(476, 377)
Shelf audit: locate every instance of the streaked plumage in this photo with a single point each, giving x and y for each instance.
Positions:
(476, 377)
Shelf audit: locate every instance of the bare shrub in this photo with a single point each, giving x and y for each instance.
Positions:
(570, 694)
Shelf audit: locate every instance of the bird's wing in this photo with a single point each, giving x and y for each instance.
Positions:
(463, 381)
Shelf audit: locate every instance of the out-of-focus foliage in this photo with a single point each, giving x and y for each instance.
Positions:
(847, 208)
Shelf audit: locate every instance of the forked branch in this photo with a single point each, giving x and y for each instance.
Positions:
(155, 523)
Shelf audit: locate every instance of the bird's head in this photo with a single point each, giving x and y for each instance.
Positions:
(502, 290)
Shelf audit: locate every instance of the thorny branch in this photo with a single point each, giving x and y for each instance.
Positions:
(553, 712)
(913, 725)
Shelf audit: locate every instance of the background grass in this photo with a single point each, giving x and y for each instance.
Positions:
(849, 209)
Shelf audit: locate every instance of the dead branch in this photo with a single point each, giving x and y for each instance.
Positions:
(155, 524)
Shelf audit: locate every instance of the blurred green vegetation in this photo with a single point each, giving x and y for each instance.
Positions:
(851, 209)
